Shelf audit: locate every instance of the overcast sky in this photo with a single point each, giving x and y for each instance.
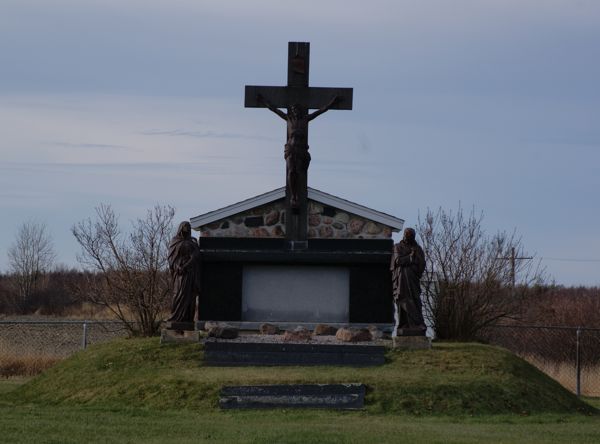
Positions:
(491, 104)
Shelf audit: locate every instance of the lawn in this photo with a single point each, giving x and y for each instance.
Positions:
(90, 424)
(136, 391)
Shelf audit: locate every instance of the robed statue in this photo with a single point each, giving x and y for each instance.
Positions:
(408, 265)
(184, 266)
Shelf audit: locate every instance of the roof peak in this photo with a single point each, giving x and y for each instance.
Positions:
(313, 194)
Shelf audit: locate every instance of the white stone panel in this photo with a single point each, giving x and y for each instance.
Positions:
(295, 293)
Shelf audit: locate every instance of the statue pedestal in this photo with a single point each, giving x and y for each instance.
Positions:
(170, 336)
(410, 331)
(181, 326)
(411, 342)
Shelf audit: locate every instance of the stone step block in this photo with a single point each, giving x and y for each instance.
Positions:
(328, 396)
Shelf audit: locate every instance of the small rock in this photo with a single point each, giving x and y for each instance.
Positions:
(314, 220)
(355, 225)
(327, 220)
(260, 232)
(297, 334)
(272, 218)
(325, 231)
(353, 335)
(222, 331)
(314, 208)
(210, 324)
(324, 330)
(240, 231)
(342, 217)
(312, 233)
(375, 332)
(373, 228)
(268, 329)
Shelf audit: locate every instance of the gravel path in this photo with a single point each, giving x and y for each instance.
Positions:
(278, 339)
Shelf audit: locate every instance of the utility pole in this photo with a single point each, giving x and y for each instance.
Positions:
(513, 258)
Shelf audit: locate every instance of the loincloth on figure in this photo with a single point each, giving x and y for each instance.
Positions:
(297, 158)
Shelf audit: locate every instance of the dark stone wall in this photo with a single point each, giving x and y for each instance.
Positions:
(368, 260)
(221, 295)
(371, 294)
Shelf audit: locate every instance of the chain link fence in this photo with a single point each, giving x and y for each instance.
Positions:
(571, 355)
(54, 339)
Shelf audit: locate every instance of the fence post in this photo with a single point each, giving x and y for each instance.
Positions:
(578, 363)
(84, 338)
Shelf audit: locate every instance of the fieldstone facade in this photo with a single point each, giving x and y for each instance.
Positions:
(324, 222)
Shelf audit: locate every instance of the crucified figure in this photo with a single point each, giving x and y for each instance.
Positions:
(297, 157)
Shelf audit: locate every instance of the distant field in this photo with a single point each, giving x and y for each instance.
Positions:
(565, 374)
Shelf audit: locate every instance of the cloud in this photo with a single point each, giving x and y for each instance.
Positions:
(204, 134)
(92, 146)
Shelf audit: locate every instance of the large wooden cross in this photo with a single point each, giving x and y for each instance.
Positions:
(298, 98)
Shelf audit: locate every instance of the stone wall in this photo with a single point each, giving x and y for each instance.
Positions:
(328, 222)
(264, 221)
(323, 222)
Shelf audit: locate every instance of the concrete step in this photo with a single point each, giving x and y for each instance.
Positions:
(223, 353)
(329, 396)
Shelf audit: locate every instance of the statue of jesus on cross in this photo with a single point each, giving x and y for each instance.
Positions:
(298, 98)
(297, 157)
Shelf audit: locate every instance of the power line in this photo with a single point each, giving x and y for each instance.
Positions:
(513, 258)
(563, 259)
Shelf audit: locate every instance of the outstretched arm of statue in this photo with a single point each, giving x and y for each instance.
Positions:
(327, 107)
(265, 102)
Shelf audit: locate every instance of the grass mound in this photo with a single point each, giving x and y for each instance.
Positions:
(450, 379)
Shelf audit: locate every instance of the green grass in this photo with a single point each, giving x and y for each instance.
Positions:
(91, 424)
(450, 379)
(136, 391)
(8, 385)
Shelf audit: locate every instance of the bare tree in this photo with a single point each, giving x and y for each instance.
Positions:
(129, 270)
(468, 283)
(30, 257)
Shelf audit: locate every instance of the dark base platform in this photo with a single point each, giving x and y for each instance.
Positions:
(221, 353)
(179, 336)
(411, 331)
(181, 326)
(411, 342)
(332, 396)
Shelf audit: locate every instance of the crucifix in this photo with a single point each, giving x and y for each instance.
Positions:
(299, 99)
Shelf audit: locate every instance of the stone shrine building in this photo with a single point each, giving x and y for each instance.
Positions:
(296, 254)
(253, 273)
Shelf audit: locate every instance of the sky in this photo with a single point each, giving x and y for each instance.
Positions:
(491, 105)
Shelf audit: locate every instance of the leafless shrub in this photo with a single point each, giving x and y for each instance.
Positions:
(469, 284)
(30, 257)
(128, 272)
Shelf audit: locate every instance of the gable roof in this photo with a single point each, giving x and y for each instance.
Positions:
(313, 194)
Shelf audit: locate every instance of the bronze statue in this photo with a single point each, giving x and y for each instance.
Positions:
(184, 266)
(408, 265)
(297, 157)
